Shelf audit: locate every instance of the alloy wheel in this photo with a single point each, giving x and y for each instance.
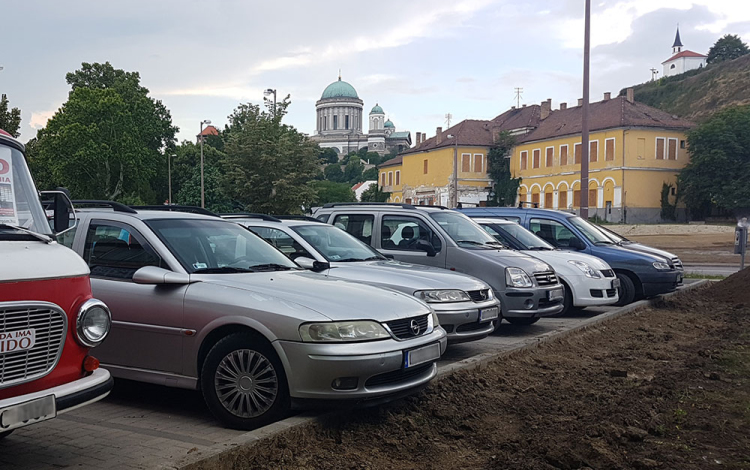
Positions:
(246, 383)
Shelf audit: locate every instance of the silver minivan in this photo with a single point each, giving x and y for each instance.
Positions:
(527, 288)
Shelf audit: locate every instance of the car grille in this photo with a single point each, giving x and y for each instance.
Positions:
(608, 273)
(677, 264)
(50, 325)
(546, 278)
(402, 328)
(398, 376)
(479, 295)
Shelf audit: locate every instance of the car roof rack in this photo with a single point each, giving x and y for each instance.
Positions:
(177, 208)
(116, 206)
(534, 205)
(299, 217)
(250, 215)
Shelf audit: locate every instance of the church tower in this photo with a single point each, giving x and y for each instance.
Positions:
(677, 46)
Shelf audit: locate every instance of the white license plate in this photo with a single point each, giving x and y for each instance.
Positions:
(615, 283)
(418, 356)
(29, 412)
(679, 279)
(488, 314)
(555, 294)
(19, 340)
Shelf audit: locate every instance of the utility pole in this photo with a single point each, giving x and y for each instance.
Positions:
(448, 118)
(585, 115)
(272, 91)
(454, 181)
(519, 91)
(169, 171)
(203, 195)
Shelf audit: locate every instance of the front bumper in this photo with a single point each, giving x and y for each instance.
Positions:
(515, 302)
(314, 367)
(66, 397)
(660, 282)
(462, 323)
(588, 292)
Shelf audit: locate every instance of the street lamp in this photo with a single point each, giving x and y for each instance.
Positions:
(454, 183)
(203, 196)
(585, 113)
(268, 92)
(169, 171)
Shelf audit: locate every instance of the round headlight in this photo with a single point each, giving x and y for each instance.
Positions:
(94, 321)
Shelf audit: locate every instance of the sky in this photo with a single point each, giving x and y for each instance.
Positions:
(418, 59)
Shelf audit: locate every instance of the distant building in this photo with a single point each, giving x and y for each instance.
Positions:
(339, 113)
(208, 130)
(682, 60)
(360, 188)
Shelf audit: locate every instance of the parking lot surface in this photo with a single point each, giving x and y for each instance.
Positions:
(149, 426)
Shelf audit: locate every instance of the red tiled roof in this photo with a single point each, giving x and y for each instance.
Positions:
(357, 186)
(392, 161)
(684, 53)
(209, 130)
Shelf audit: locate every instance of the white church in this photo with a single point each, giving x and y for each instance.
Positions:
(682, 60)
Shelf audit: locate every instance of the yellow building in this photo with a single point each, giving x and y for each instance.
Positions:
(634, 150)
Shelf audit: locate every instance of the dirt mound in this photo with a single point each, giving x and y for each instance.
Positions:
(735, 289)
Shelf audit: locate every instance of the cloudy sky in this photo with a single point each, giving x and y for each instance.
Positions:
(419, 59)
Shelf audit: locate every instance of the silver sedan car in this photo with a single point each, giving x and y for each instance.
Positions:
(465, 305)
(200, 302)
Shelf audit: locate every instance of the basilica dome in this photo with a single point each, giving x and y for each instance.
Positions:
(339, 89)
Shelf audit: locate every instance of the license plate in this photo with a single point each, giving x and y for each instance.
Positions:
(615, 283)
(418, 356)
(488, 314)
(555, 294)
(19, 340)
(29, 412)
(679, 278)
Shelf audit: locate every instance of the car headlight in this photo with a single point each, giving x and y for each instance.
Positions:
(434, 318)
(661, 266)
(586, 269)
(343, 331)
(93, 323)
(517, 277)
(450, 295)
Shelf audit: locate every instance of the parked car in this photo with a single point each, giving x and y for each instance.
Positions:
(588, 280)
(635, 246)
(527, 288)
(202, 303)
(465, 306)
(640, 274)
(49, 320)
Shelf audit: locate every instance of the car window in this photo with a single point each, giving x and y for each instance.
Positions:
(117, 251)
(282, 241)
(68, 237)
(463, 231)
(335, 244)
(359, 225)
(403, 233)
(551, 231)
(322, 217)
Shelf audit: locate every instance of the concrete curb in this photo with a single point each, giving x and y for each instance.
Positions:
(250, 438)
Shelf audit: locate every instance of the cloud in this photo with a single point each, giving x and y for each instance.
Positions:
(39, 118)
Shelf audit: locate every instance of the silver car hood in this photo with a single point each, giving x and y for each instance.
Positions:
(512, 258)
(336, 299)
(405, 277)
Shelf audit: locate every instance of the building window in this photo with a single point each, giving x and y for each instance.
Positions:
(537, 158)
(562, 199)
(346, 121)
(682, 144)
(325, 123)
(577, 152)
(390, 178)
(563, 155)
(609, 150)
(672, 149)
(671, 66)
(407, 200)
(425, 166)
(465, 162)
(382, 179)
(478, 163)
(335, 122)
(594, 151)
(550, 157)
(660, 148)
(398, 178)
(524, 159)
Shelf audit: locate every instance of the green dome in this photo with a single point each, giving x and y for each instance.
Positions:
(339, 89)
(377, 110)
(388, 123)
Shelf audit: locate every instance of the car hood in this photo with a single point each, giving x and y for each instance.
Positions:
(647, 249)
(336, 299)
(559, 259)
(405, 277)
(511, 258)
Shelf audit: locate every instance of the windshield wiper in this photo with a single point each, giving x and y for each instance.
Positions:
(223, 270)
(270, 267)
(349, 260)
(470, 242)
(539, 248)
(603, 242)
(38, 236)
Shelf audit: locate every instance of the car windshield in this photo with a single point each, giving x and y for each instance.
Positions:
(588, 230)
(335, 244)
(615, 237)
(216, 246)
(463, 230)
(19, 202)
(523, 237)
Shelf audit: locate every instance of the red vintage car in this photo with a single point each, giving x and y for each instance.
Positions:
(48, 318)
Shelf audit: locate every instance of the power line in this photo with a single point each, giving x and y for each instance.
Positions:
(448, 118)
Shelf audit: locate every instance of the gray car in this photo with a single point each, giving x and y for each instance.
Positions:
(527, 288)
(202, 303)
(465, 305)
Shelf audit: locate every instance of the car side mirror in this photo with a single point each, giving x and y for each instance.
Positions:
(424, 245)
(59, 203)
(154, 275)
(576, 244)
(312, 265)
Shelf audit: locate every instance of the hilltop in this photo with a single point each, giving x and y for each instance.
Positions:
(697, 94)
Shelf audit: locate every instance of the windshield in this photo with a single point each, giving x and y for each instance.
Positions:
(615, 237)
(335, 244)
(594, 235)
(208, 246)
(463, 230)
(522, 237)
(19, 201)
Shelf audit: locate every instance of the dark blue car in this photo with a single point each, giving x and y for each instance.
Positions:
(641, 274)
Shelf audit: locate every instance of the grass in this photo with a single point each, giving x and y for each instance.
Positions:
(717, 277)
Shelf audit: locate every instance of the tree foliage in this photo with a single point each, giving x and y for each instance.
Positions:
(719, 168)
(106, 141)
(505, 187)
(370, 174)
(333, 172)
(328, 155)
(328, 191)
(728, 47)
(373, 194)
(668, 208)
(186, 171)
(10, 119)
(353, 171)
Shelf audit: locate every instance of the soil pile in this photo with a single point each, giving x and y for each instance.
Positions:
(664, 388)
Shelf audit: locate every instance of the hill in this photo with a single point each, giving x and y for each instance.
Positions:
(697, 94)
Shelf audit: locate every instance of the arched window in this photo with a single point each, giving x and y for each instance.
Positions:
(671, 66)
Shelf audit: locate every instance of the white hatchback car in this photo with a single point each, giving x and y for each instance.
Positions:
(589, 281)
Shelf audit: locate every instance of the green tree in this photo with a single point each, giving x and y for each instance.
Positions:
(719, 166)
(353, 170)
(186, 170)
(106, 141)
(328, 155)
(726, 48)
(505, 187)
(189, 193)
(10, 119)
(668, 208)
(333, 172)
(373, 194)
(269, 166)
(370, 174)
(328, 191)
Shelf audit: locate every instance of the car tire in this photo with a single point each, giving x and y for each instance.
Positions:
(567, 300)
(243, 382)
(5, 434)
(626, 291)
(521, 321)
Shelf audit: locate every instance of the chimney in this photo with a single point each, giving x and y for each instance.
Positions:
(580, 101)
(563, 106)
(417, 136)
(438, 135)
(630, 94)
(607, 96)
(524, 105)
(512, 107)
(546, 109)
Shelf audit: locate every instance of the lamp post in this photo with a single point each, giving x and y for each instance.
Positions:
(585, 115)
(169, 172)
(454, 182)
(272, 91)
(203, 196)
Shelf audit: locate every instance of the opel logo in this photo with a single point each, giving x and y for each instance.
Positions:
(414, 327)
(549, 278)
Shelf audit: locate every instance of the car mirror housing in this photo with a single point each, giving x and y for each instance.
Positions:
(577, 244)
(154, 275)
(312, 265)
(424, 245)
